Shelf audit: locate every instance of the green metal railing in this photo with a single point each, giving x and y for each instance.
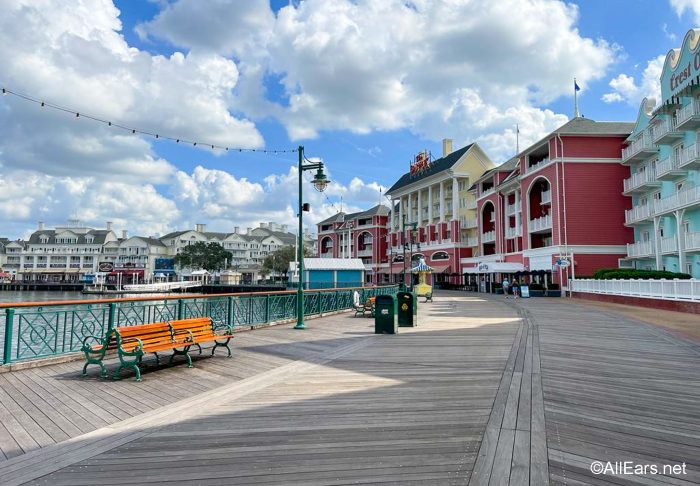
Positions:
(45, 329)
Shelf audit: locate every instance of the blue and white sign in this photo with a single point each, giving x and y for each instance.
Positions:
(524, 291)
(563, 262)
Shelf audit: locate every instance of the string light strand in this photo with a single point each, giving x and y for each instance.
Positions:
(138, 131)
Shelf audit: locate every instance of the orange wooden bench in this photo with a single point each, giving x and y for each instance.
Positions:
(133, 342)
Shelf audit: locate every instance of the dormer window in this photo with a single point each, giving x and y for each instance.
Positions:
(44, 239)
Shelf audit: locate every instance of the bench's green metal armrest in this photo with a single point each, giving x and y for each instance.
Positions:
(137, 350)
(184, 331)
(89, 348)
(226, 329)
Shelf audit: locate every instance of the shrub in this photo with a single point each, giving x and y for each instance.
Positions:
(626, 273)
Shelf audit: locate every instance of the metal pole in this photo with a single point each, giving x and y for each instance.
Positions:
(300, 251)
(403, 243)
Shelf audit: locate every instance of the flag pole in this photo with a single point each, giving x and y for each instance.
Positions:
(517, 139)
(576, 88)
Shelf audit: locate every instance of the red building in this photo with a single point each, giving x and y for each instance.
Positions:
(559, 200)
(356, 235)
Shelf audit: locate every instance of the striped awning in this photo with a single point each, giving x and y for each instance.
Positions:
(421, 267)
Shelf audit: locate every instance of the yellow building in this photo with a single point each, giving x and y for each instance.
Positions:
(435, 195)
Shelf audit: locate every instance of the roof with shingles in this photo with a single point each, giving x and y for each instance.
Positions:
(378, 210)
(99, 236)
(439, 165)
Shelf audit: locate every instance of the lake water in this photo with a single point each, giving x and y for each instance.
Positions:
(45, 295)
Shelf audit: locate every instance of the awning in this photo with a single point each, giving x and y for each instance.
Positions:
(440, 268)
(496, 267)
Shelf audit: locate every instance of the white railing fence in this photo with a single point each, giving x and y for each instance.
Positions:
(650, 289)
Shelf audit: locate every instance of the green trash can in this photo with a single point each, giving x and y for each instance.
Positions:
(385, 315)
(408, 309)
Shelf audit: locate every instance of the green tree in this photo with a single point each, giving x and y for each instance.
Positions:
(278, 261)
(207, 256)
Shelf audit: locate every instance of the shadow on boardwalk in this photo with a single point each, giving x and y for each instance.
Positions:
(453, 401)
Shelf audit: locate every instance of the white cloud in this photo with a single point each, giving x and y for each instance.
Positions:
(626, 89)
(680, 6)
(437, 67)
(77, 57)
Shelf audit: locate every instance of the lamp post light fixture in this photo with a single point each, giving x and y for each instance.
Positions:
(320, 182)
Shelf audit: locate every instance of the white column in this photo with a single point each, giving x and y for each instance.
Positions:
(442, 202)
(455, 198)
(419, 216)
(391, 215)
(409, 208)
(400, 222)
(430, 204)
(657, 243)
(680, 235)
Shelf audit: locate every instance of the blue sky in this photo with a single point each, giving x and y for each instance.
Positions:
(342, 78)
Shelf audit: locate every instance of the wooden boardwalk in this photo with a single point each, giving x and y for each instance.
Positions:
(485, 391)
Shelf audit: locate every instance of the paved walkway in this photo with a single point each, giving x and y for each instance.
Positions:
(484, 391)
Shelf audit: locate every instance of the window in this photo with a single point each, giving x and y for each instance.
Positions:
(680, 185)
(440, 255)
(685, 226)
(645, 236)
(689, 268)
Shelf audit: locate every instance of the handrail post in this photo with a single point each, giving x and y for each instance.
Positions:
(180, 309)
(267, 308)
(230, 312)
(111, 316)
(9, 318)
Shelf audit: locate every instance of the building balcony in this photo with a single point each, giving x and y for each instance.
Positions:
(668, 169)
(665, 132)
(638, 214)
(487, 192)
(488, 237)
(541, 224)
(690, 157)
(679, 200)
(471, 223)
(512, 209)
(688, 117)
(640, 182)
(514, 232)
(640, 249)
(472, 241)
(640, 149)
(546, 197)
(669, 244)
(26, 265)
(57, 265)
(471, 203)
(364, 253)
(692, 242)
(328, 254)
(542, 163)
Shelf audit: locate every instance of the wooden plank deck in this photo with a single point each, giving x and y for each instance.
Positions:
(485, 391)
(330, 405)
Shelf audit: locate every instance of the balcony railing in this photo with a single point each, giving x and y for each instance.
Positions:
(638, 213)
(688, 117)
(639, 180)
(640, 249)
(692, 241)
(541, 223)
(690, 157)
(665, 131)
(643, 145)
(667, 167)
(683, 198)
(472, 241)
(364, 253)
(669, 244)
(514, 232)
(488, 237)
(514, 208)
(471, 223)
(488, 191)
(471, 204)
(538, 165)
